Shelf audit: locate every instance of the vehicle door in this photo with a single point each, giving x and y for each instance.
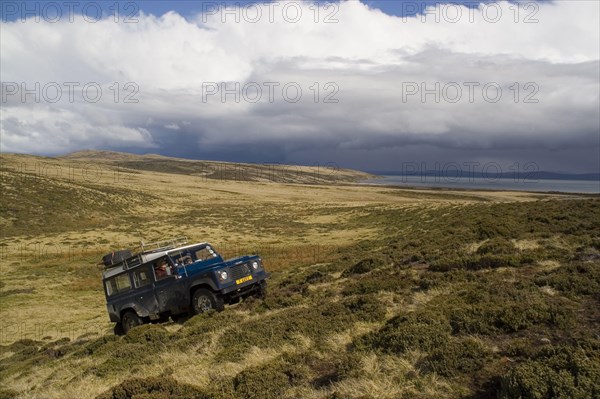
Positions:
(169, 288)
(144, 291)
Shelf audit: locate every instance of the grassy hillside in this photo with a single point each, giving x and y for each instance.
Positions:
(376, 292)
(211, 170)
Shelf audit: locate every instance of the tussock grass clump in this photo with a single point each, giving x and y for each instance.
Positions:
(161, 387)
(379, 280)
(95, 346)
(293, 288)
(318, 277)
(154, 337)
(198, 330)
(562, 372)
(479, 262)
(366, 308)
(457, 356)
(125, 357)
(331, 368)
(424, 331)
(208, 322)
(315, 322)
(130, 352)
(271, 380)
(364, 266)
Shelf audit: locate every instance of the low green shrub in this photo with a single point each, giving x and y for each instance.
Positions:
(366, 308)
(378, 281)
(152, 336)
(424, 331)
(96, 345)
(197, 327)
(489, 307)
(558, 372)
(128, 357)
(316, 322)
(317, 277)
(364, 266)
(478, 262)
(270, 380)
(162, 387)
(457, 356)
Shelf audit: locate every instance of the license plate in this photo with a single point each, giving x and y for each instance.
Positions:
(243, 279)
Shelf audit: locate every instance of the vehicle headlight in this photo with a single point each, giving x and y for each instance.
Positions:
(255, 265)
(223, 275)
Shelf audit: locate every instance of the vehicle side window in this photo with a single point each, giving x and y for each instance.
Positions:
(181, 258)
(118, 284)
(162, 268)
(142, 276)
(204, 254)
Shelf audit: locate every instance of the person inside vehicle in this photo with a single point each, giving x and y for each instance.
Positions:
(160, 269)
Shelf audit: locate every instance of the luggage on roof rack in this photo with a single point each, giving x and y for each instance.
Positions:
(115, 257)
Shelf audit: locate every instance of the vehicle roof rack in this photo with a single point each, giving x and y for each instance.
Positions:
(125, 264)
(163, 245)
(146, 248)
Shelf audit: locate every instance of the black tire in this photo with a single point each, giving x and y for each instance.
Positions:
(205, 300)
(118, 330)
(129, 320)
(261, 292)
(180, 318)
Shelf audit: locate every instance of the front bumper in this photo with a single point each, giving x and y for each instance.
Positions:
(233, 289)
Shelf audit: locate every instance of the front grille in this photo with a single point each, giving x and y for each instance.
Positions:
(239, 271)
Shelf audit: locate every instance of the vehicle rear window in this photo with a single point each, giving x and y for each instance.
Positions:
(118, 284)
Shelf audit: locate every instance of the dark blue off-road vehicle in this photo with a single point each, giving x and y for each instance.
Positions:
(174, 279)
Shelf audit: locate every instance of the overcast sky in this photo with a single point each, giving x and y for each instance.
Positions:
(368, 85)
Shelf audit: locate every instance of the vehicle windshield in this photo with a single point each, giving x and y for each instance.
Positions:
(187, 256)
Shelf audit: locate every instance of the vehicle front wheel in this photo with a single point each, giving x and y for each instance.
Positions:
(205, 300)
(179, 318)
(129, 320)
(261, 292)
(118, 330)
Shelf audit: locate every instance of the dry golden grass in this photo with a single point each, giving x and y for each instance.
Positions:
(525, 244)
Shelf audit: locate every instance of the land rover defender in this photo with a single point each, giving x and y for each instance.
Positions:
(172, 278)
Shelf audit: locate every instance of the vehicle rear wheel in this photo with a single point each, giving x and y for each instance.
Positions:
(205, 300)
(129, 320)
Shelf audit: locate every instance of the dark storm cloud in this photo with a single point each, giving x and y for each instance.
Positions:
(387, 89)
